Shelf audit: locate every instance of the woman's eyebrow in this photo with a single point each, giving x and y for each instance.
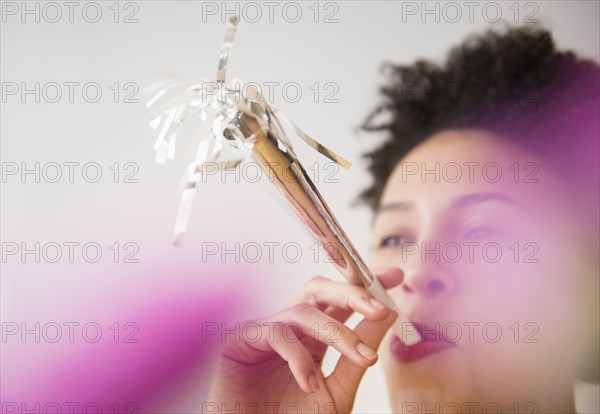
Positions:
(461, 202)
(398, 205)
(477, 198)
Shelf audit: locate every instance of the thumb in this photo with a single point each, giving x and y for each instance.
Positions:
(343, 382)
(389, 277)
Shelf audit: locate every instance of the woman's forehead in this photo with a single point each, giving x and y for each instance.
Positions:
(454, 163)
(467, 145)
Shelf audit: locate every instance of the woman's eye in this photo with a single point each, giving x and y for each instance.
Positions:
(394, 241)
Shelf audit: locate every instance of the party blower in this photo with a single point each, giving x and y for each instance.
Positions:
(239, 126)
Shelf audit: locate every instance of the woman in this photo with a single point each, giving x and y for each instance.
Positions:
(485, 234)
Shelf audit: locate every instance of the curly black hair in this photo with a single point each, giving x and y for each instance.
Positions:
(514, 83)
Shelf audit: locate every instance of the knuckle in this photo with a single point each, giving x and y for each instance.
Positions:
(307, 357)
(346, 334)
(301, 310)
(315, 283)
(355, 295)
(318, 279)
(359, 291)
(311, 288)
(277, 329)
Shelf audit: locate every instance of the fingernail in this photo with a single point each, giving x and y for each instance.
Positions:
(366, 351)
(312, 381)
(381, 272)
(376, 303)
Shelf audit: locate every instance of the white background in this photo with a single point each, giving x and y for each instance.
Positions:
(177, 37)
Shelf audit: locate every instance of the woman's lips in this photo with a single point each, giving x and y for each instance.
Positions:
(432, 342)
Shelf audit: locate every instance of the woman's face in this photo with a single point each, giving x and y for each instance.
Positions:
(492, 278)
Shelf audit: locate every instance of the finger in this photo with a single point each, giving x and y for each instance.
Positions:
(256, 340)
(299, 359)
(312, 326)
(346, 376)
(321, 328)
(340, 300)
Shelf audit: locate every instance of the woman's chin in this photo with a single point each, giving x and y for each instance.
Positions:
(418, 380)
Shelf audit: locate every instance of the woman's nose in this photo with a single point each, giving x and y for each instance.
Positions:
(428, 280)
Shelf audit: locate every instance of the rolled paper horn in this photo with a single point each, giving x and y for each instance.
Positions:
(252, 128)
(277, 159)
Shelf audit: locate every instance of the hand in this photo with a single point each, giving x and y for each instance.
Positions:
(276, 365)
